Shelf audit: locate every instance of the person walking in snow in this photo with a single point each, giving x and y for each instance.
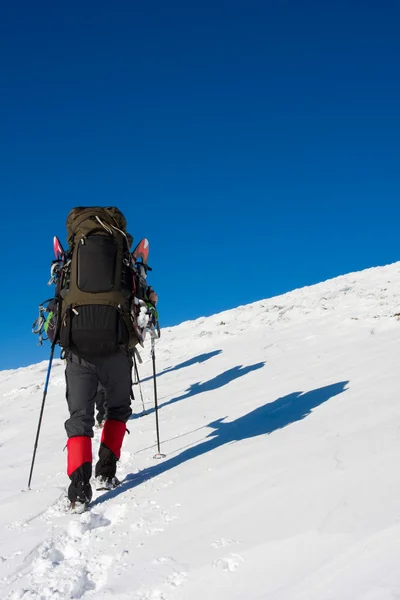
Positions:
(97, 332)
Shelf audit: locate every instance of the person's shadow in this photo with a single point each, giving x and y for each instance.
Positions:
(212, 384)
(261, 421)
(187, 363)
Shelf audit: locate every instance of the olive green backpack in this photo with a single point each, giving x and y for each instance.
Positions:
(96, 289)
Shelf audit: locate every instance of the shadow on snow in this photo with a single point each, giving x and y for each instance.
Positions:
(262, 421)
(212, 384)
(187, 363)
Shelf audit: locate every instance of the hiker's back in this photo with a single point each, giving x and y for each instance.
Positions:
(96, 287)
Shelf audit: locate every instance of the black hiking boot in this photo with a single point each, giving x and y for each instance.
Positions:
(106, 483)
(80, 491)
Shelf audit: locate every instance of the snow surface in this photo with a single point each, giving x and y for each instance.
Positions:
(281, 425)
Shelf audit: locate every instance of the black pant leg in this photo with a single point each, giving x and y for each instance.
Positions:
(82, 381)
(115, 375)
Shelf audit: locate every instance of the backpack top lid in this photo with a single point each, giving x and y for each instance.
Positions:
(82, 219)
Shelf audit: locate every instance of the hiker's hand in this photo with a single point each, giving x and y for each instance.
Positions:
(152, 296)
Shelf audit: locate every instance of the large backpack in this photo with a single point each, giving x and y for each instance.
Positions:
(96, 288)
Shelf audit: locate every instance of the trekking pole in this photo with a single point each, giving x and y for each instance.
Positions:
(138, 382)
(41, 413)
(153, 356)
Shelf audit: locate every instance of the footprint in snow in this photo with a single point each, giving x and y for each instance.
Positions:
(167, 517)
(224, 543)
(63, 571)
(115, 513)
(228, 563)
(88, 521)
(176, 579)
(154, 530)
(162, 560)
(21, 525)
(69, 565)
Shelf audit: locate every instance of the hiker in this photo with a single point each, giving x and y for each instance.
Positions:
(97, 334)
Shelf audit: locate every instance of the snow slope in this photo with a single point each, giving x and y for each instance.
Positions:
(281, 425)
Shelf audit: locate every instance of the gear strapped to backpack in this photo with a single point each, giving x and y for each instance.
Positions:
(96, 288)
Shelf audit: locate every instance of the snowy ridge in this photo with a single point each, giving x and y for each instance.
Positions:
(347, 291)
(281, 425)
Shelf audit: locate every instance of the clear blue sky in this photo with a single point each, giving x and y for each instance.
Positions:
(256, 144)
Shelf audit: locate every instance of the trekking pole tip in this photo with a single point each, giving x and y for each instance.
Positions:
(159, 455)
